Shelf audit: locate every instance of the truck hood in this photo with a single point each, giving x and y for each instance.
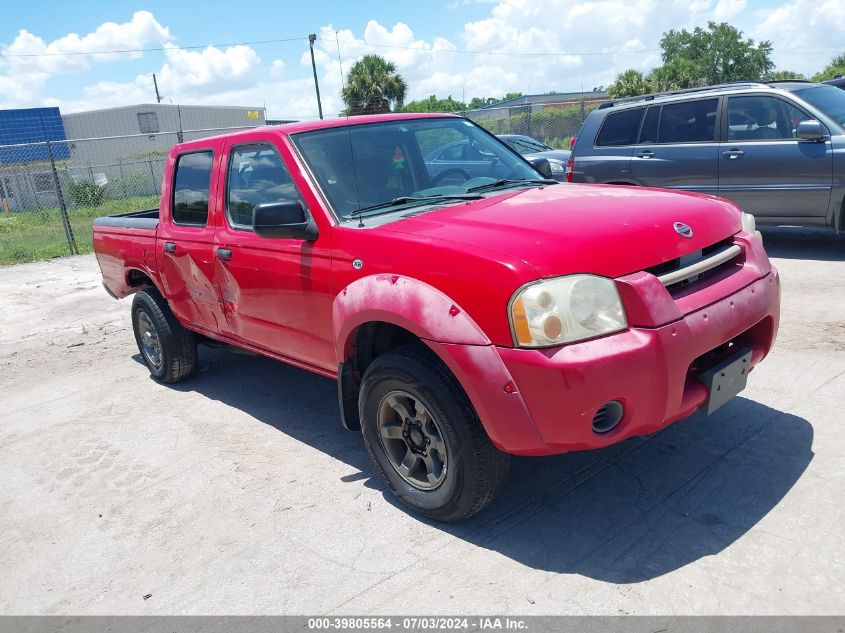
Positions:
(607, 230)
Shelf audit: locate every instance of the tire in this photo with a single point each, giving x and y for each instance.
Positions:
(411, 379)
(169, 351)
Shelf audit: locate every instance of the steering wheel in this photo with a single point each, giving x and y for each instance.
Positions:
(455, 176)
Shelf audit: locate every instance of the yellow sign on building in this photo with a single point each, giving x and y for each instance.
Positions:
(252, 114)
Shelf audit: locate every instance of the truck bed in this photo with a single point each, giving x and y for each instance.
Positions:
(125, 248)
(135, 220)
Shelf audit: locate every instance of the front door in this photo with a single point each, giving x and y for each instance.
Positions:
(763, 166)
(276, 292)
(677, 147)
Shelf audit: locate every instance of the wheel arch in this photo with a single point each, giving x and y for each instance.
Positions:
(378, 313)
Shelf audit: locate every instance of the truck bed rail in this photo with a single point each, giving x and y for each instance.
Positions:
(136, 220)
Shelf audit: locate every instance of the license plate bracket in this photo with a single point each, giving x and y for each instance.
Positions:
(726, 379)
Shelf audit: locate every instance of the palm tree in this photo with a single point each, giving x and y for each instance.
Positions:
(373, 86)
(628, 84)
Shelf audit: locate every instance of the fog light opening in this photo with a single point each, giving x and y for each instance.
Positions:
(607, 417)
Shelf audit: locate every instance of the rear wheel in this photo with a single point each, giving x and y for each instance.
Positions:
(169, 350)
(425, 438)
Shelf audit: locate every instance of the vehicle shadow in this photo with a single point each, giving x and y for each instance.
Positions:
(789, 242)
(624, 514)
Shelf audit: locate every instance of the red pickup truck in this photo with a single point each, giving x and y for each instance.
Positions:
(468, 306)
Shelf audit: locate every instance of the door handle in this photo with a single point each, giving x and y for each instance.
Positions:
(733, 154)
(224, 254)
(170, 247)
(645, 154)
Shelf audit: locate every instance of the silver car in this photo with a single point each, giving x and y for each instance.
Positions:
(777, 149)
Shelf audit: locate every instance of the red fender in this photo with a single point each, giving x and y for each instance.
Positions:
(454, 337)
(406, 302)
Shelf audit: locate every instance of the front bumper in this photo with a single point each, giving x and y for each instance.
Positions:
(650, 371)
(542, 401)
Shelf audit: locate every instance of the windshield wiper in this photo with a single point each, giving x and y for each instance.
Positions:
(512, 181)
(358, 214)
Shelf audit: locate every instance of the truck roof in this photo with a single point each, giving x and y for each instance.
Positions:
(317, 124)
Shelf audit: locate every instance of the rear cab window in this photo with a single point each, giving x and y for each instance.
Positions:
(191, 188)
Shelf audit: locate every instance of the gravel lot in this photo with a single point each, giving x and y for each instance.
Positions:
(239, 492)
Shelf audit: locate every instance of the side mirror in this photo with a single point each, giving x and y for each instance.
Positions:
(542, 165)
(283, 219)
(811, 130)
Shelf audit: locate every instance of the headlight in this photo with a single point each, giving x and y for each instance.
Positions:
(557, 168)
(748, 222)
(564, 310)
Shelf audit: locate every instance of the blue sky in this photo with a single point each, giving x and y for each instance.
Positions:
(464, 48)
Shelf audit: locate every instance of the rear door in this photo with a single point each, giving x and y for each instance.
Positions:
(765, 168)
(186, 239)
(609, 160)
(276, 292)
(678, 148)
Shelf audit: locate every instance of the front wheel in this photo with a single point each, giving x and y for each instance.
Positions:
(168, 349)
(425, 438)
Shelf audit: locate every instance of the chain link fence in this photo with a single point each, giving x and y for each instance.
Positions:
(51, 192)
(552, 123)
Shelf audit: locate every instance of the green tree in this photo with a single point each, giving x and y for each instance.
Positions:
(717, 54)
(373, 86)
(433, 104)
(480, 102)
(701, 57)
(834, 68)
(628, 84)
(780, 75)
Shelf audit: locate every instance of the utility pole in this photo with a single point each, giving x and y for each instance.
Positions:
(155, 83)
(311, 39)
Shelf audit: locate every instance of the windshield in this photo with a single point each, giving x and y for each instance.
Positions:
(828, 99)
(527, 145)
(379, 167)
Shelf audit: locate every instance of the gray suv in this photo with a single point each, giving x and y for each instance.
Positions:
(777, 149)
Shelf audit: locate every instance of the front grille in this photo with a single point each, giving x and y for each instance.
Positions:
(678, 273)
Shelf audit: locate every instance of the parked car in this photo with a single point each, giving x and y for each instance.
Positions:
(838, 82)
(463, 323)
(459, 161)
(531, 148)
(776, 149)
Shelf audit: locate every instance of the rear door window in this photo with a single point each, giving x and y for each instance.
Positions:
(688, 121)
(621, 128)
(649, 132)
(191, 187)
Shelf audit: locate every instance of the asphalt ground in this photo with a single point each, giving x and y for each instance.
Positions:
(238, 492)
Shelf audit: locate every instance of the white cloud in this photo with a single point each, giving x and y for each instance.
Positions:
(727, 9)
(28, 62)
(802, 32)
(74, 52)
(277, 68)
(515, 45)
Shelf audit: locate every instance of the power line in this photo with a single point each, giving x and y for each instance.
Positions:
(548, 53)
(153, 50)
(505, 53)
(456, 51)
